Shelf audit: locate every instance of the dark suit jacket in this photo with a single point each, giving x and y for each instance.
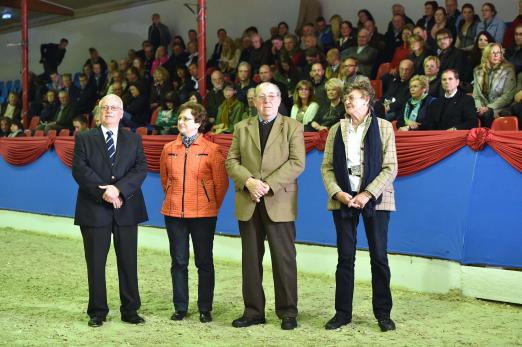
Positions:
(17, 114)
(459, 112)
(91, 168)
(367, 58)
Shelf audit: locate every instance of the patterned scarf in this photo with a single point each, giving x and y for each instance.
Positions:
(188, 140)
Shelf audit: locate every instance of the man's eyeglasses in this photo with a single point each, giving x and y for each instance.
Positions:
(110, 108)
(268, 97)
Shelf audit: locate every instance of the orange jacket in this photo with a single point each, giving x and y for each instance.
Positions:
(194, 180)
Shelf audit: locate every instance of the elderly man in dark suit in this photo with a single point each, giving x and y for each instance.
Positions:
(109, 167)
(265, 158)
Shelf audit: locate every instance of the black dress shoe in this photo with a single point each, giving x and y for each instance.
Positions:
(243, 322)
(205, 317)
(288, 323)
(133, 319)
(95, 322)
(386, 324)
(179, 315)
(336, 322)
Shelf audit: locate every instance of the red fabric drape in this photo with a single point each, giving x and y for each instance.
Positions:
(20, 151)
(417, 150)
(64, 147)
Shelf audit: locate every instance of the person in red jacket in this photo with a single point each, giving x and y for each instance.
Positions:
(195, 182)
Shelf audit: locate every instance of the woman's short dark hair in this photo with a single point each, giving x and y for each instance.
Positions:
(491, 7)
(198, 112)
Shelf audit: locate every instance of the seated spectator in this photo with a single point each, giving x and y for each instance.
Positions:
(324, 34)
(350, 71)
(514, 52)
(510, 32)
(177, 58)
(393, 38)
(160, 87)
(148, 58)
(516, 107)
(11, 109)
(230, 112)
(431, 71)
(160, 59)
(330, 114)
(218, 47)
(454, 110)
(260, 54)
(317, 77)
(69, 86)
(215, 95)
(85, 97)
(167, 121)
(277, 46)
(192, 51)
(138, 107)
(419, 52)
(365, 54)
(17, 130)
(195, 97)
(229, 58)
(113, 66)
(99, 80)
(131, 55)
(5, 126)
(244, 81)
(288, 74)
(266, 75)
(116, 77)
(133, 76)
(398, 9)
(403, 51)
(192, 36)
(56, 81)
(304, 108)
(80, 124)
(415, 115)
(451, 57)
(363, 16)
(335, 27)
(245, 48)
(441, 22)
(376, 40)
(312, 56)
(427, 21)
(291, 48)
(494, 84)
(333, 59)
(250, 110)
(307, 30)
(491, 23)
(94, 58)
(454, 17)
(347, 38)
(467, 28)
(395, 92)
(123, 65)
(182, 84)
(62, 119)
(282, 29)
(50, 106)
(481, 41)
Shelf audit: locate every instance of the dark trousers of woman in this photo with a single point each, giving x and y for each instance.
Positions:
(377, 235)
(202, 232)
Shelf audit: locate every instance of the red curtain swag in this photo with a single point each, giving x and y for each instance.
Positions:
(416, 150)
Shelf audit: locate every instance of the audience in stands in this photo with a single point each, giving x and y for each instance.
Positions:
(395, 92)
(491, 23)
(16, 129)
(80, 124)
(160, 87)
(333, 111)
(431, 71)
(63, 117)
(159, 33)
(138, 107)
(514, 52)
(347, 37)
(304, 108)
(450, 56)
(365, 54)
(215, 95)
(415, 115)
(94, 58)
(11, 109)
(5, 126)
(167, 121)
(50, 106)
(160, 59)
(403, 51)
(467, 28)
(229, 58)
(481, 41)
(419, 52)
(427, 21)
(441, 22)
(51, 55)
(509, 34)
(250, 110)
(229, 112)
(363, 16)
(494, 84)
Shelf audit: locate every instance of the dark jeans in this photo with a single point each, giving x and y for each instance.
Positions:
(96, 243)
(487, 119)
(377, 234)
(516, 108)
(202, 232)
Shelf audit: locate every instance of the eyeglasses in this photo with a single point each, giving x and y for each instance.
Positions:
(303, 89)
(496, 53)
(268, 97)
(185, 119)
(351, 98)
(442, 38)
(110, 108)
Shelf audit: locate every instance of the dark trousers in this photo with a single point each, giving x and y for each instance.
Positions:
(377, 234)
(202, 233)
(516, 108)
(281, 240)
(487, 119)
(96, 243)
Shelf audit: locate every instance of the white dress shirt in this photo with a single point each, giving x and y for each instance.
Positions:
(114, 135)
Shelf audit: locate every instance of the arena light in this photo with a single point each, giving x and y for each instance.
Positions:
(7, 14)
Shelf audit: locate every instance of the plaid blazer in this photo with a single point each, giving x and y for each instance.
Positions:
(382, 184)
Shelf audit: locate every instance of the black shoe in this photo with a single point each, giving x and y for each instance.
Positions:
(243, 322)
(132, 319)
(386, 324)
(336, 322)
(95, 322)
(179, 315)
(288, 323)
(205, 317)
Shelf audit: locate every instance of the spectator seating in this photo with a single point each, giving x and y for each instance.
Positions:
(508, 123)
(39, 133)
(51, 133)
(384, 68)
(34, 122)
(154, 116)
(28, 133)
(377, 86)
(142, 131)
(64, 132)
(394, 125)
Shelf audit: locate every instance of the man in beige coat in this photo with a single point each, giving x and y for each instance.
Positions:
(265, 158)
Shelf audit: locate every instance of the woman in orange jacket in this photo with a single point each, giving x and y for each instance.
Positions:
(195, 182)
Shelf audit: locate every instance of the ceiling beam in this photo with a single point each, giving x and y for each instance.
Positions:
(40, 6)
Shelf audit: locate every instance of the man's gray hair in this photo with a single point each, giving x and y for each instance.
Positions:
(266, 84)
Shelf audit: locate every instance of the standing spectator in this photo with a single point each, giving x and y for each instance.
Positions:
(304, 108)
(159, 33)
(266, 205)
(51, 55)
(494, 84)
(491, 23)
(95, 58)
(467, 28)
(195, 182)
(360, 182)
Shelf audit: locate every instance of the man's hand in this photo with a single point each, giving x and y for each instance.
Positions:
(257, 188)
(482, 110)
(112, 195)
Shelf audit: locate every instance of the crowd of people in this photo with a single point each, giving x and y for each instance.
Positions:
(481, 54)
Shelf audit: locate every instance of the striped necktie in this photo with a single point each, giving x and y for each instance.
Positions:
(111, 150)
